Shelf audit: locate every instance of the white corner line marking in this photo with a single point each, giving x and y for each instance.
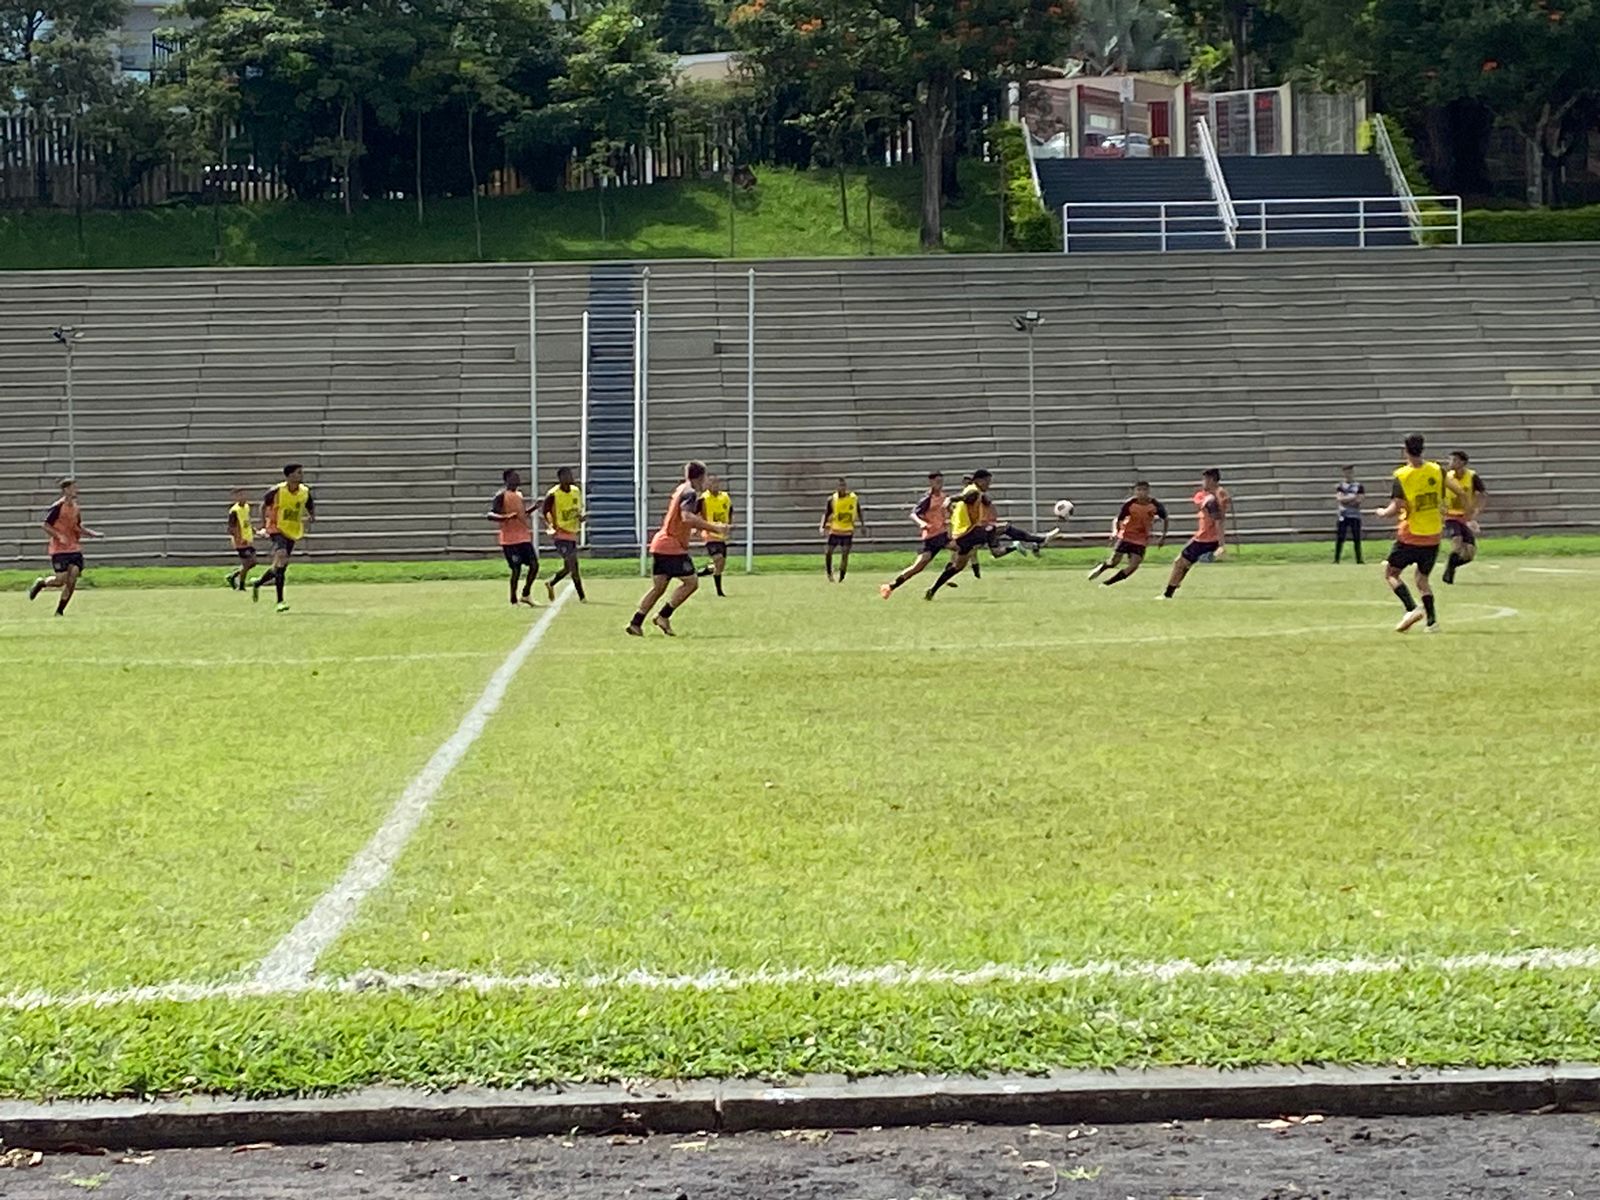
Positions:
(293, 959)
(890, 975)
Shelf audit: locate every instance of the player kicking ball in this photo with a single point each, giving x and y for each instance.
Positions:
(1212, 505)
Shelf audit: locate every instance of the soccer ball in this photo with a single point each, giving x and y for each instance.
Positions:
(1063, 509)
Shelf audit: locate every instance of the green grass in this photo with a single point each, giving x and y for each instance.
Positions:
(17, 579)
(1030, 770)
(789, 214)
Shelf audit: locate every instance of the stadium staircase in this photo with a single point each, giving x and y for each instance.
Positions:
(1291, 201)
(1128, 195)
(405, 390)
(613, 300)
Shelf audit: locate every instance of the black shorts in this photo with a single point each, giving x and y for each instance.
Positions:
(566, 547)
(1131, 549)
(1460, 529)
(247, 554)
(520, 554)
(1196, 550)
(717, 549)
(840, 539)
(60, 562)
(932, 545)
(282, 541)
(673, 566)
(971, 540)
(1403, 555)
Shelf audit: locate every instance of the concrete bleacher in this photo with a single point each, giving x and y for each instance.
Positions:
(406, 390)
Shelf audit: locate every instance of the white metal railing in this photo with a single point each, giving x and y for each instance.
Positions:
(1353, 221)
(1384, 145)
(1164, 225)
(1033, 164)
(1349, 220)
(1226, 213)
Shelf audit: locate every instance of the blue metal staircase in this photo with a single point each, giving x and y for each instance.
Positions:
(613, 299)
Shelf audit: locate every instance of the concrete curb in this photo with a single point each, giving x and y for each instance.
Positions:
(1065, 1097)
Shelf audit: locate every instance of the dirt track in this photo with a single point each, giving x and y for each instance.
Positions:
(1455, 1158)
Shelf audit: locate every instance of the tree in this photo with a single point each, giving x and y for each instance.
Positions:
(720, 112)
(615, 85)
(1535, 64)
(55, 58)
(1117, 36)
(925, 51)
(135, 131)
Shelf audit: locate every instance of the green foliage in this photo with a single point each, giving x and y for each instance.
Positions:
(918, 57)
(1532, 225)
(1405, 153)
(1029, 226)
(788, 214)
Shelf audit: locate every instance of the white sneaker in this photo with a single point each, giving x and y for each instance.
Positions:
(1434, 628)
(1410, 619)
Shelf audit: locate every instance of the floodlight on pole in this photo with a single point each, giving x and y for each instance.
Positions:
(67, 336)
(1028, 323)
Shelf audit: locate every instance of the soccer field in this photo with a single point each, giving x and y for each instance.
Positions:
(398, 835)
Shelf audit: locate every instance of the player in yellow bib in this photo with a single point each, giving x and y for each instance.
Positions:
(243, 535)
(293, 511)
(968, 533)
(563, 519)
(716, 506)
(1461, 515)
(1417, 498)
(840, 518)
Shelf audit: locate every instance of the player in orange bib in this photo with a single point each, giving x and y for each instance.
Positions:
(512, 513)
(670, 550)
(1212, 505)
(931, 515)
(64, 524)
(1130, 533)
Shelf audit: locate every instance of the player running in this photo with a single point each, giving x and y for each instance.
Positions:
(840, 518)
(64, 524)
(512, 513)
(1212, 504)
(717, 508)
(292, 509)
(931, 515)
(967, 528)
(670, 549)
(243, 535)
(1461, 516)
(564, 518)
(1130, 533)
(1417, 498)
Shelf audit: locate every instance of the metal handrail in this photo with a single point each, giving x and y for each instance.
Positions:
(1176, 221)
(1226, 212)
(1384, 145)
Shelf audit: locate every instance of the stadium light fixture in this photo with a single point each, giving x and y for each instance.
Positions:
(1028, 323)
(67, 336)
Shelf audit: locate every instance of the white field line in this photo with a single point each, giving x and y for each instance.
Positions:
(889, 975)
(979, 649)
(1559, 571)
(294, 958)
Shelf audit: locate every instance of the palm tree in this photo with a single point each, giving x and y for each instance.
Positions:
(1117, 36)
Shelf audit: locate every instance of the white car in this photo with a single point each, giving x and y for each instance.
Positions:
(1126, 145)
